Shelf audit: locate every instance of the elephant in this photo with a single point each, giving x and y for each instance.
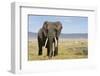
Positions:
(48, 37)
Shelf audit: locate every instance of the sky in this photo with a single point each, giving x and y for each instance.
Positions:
(71, 24)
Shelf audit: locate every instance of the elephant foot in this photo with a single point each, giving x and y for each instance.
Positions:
(47, 54)
(55, 54)
(50, 57)
(40, 53)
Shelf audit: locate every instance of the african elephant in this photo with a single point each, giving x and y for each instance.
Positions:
(48, 36)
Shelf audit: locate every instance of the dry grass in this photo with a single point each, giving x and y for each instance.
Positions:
(68, 49)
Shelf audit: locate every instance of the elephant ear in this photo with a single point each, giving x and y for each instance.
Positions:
(58, 27)
(45, 25)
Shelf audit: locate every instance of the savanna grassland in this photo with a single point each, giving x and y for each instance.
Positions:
(68, 49)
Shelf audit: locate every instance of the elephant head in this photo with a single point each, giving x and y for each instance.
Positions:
(54, 27)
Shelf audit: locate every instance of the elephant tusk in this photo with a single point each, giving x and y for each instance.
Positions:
(46, 42)
(55, 42)
(53, 48)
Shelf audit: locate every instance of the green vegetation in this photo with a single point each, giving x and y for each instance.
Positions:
(68, 49)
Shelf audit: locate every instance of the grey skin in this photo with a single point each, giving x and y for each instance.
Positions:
(48, 37)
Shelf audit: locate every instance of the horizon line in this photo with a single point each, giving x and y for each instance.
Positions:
(63, 33)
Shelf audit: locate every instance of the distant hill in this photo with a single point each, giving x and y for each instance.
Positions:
(62, 35)
(74, 36)
(32, 35)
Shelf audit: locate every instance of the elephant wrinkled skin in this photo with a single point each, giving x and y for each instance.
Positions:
(48, 36)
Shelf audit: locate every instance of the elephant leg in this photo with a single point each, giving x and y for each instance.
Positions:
(56, 51)
(40, 47)
(40, 50)
(48, 51)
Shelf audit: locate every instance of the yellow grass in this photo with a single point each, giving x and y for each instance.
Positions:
(68, 49)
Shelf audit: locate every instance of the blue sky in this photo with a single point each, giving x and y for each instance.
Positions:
(71, 24)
